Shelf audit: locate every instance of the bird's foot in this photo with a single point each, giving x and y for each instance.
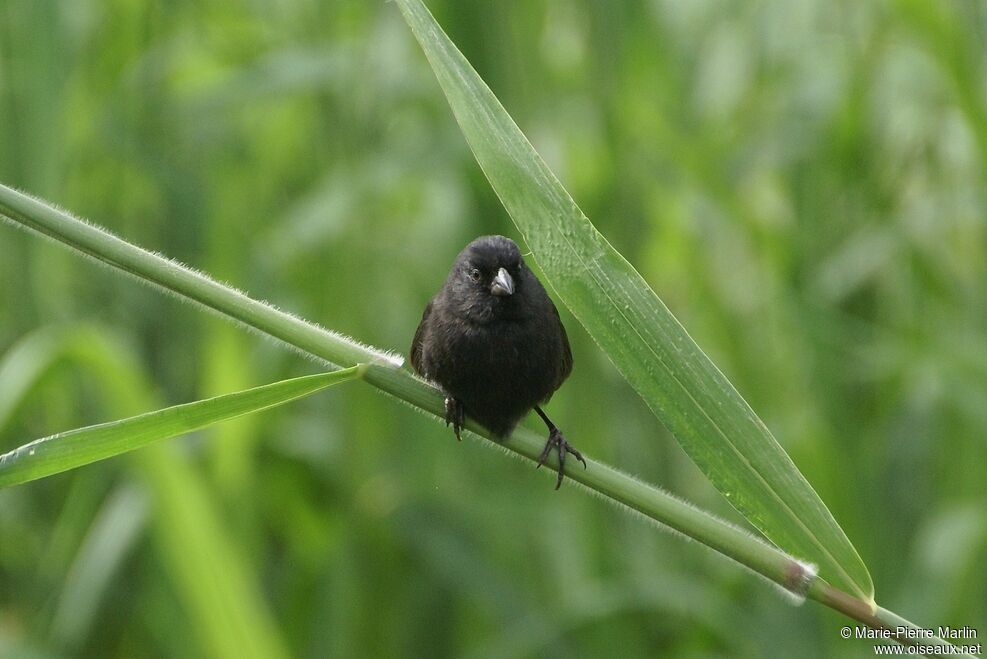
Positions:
(557, 441)
(456, 415)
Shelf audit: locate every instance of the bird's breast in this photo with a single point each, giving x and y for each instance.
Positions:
(507, 365)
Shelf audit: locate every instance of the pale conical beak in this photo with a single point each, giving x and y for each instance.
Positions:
(503, 284)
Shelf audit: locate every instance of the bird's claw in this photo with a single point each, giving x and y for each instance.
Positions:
(456, 415)
(557, 441)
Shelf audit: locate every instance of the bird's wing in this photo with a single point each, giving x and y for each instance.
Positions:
(565, 368)
(416, 344)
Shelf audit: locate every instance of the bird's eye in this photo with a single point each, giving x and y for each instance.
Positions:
(475, 275)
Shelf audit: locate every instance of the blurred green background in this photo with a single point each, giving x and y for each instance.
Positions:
(802, 182)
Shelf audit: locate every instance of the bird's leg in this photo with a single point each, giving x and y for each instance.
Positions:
(557, 441)
(456, 415)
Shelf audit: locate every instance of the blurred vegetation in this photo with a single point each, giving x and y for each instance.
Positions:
(802, 182)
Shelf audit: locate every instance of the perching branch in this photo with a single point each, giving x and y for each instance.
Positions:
(342, 352)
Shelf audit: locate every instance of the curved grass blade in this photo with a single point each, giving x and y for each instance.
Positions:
(68, 450)
(643, 339)
(186, 514)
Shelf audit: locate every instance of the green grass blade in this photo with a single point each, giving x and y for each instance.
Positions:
(186, 514)
(68, 450)
(642, 338)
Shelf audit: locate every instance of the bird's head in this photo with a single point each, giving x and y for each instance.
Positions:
(489, 278)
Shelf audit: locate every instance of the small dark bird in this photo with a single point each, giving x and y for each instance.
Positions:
(493, 340)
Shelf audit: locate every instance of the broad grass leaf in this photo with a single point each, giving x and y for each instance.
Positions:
(642, 338)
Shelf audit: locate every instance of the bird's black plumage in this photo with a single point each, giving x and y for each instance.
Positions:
(493, 340)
